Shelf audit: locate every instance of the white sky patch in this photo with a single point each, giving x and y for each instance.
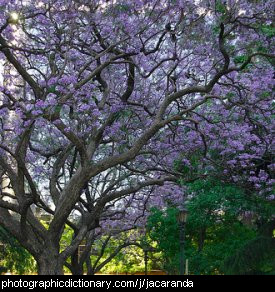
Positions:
(201, 10)
(241, 12)
(14, 16)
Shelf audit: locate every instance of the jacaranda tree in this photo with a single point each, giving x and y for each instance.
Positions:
(100, 98)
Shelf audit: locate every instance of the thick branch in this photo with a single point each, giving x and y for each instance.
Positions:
(25, 75)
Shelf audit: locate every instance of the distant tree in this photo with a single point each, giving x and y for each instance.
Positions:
(164, 229)
(256, 256)
(226, 232)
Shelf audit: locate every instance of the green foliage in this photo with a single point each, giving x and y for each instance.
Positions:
(129, 260)
(3, 270)
(66, 238)
(163, 228)
(191, 169)
(256, 256)
(123, 7)
(265, 94)
(268, 30)
(218, 240)
(14, 258)
(220, 7)
(221, 240)
(230, 94)
(181, 167)
(240, 59)
(216, 29)
(216, 211)
(262, 49)
(52, 89)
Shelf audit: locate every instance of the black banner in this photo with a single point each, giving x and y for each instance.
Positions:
(108, 282)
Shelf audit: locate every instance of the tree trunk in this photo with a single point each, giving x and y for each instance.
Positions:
(49, 261)
(76, 267)
(202, 237)
(49, 266)
(91, 273)
(77, 270)
(90, 270)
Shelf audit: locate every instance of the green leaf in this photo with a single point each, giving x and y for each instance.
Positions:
(240, 59)
(220, 7)
(52, 89)
(268, 30)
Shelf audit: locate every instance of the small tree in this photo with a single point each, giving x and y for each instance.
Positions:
(219, 238)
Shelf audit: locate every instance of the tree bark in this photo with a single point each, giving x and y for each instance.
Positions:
(202, 237)
(49, 267)
(76, 267)
(49, 262)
